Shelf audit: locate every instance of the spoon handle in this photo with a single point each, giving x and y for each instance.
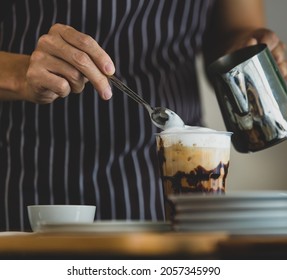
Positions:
(124, 88)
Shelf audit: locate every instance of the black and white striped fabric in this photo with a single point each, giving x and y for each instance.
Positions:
(81, 149)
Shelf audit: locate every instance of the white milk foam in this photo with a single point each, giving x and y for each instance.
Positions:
(196, 136)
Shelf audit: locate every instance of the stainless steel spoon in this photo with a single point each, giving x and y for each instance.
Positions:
(161, 117)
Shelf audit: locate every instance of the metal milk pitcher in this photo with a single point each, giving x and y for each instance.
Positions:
(252, 96)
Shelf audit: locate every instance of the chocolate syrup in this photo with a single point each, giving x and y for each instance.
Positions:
(194, 181)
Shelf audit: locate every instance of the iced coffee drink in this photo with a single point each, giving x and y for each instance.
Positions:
(193, 159)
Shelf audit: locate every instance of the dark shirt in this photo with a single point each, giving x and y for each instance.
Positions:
(81, 149)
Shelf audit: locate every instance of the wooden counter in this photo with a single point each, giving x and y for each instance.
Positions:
(112, 245)
(168, 245)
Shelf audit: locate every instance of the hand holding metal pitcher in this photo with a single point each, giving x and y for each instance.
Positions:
(252, 96)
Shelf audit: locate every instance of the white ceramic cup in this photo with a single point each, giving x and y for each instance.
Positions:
(60, 214)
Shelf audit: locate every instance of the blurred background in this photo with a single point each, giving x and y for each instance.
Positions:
(261, 170)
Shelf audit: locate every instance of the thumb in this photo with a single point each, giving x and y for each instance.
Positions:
(251, 42)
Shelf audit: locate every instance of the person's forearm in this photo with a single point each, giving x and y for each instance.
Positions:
(13, 75)
(232, 19)
(240, 14)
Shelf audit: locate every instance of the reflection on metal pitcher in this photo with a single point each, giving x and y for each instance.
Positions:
(252, 96)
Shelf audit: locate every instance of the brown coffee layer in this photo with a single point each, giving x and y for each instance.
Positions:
(181, 158)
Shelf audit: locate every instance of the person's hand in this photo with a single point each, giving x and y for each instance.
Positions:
(268, 37)
(275, 45)
(63, 61)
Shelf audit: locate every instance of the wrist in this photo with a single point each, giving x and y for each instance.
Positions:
(13, 76)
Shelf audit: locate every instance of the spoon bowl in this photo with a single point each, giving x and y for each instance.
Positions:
(165, 118)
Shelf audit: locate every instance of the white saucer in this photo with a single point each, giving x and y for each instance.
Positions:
(107, 227)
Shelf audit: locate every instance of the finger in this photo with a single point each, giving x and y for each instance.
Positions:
(88, 45)
(267, 37)
(39, 94)
(279, 52)
(61, 68)
(46, 85)
(56, 84)
(40, 74)
(251, 42)
(45, 97)
(79, 59)
(283, 69)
